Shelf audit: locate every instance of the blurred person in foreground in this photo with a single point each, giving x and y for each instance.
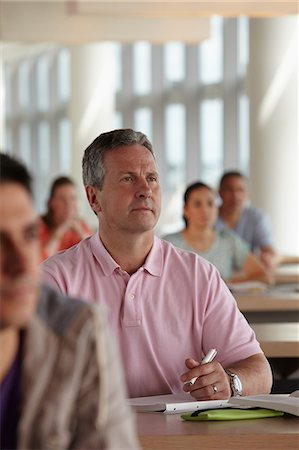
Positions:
(61, 228)
(252, 224)
(61, 382)
(167, 307)
(224, 248)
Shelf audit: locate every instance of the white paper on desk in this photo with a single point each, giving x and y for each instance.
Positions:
(248, 287)
(173, 403)
(288, 403)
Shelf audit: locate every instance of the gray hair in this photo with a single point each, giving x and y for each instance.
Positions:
(93, 166)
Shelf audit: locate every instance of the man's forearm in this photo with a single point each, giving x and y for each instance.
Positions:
(254, 373)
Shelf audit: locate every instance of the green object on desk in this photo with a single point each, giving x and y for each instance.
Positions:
(231, 414)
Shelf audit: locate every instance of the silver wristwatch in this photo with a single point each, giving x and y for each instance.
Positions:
(235, 383)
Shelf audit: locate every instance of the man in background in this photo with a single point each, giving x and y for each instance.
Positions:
(167, 307)
(251, 223)
(61, 382)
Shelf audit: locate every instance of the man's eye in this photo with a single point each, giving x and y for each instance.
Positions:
(153, 179)
(127, 178)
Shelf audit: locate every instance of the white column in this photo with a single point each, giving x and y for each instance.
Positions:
(92, 105)
(273, 93)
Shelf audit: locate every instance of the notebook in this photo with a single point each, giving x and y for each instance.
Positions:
(288, 403)
(173, 403)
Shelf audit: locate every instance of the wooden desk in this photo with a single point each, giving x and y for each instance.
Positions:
(268, 301)
(275, 305)
(287, 273)
(278, 340)
(158, 432)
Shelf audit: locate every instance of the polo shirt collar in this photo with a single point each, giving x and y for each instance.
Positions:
(153, 263)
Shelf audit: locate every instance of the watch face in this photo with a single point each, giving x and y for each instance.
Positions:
(237, 385)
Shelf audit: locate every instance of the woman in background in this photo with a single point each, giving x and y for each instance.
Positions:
(229, 253)
(60, 227)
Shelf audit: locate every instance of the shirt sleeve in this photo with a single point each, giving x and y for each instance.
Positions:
(52, 276)
(262, 230)
(224, 326)
(240, 251)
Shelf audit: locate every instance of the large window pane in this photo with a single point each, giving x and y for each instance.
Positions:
(211, 140)
(211, 54)
(244, 132)
(243, 44)
(118, 63)
(174, 61)
(43, 146)
(64, 145)
(117, 120)
(63, 75)
(42, 83)
(24, 84)
(142, 68)
(8, 80)
(143, 121)
(25, 144)
(8, 141)
(175, 122)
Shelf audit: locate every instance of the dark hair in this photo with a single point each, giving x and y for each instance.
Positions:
(93, 166)
(193, 187)
(60, 181)
(11, 170)
(229, 174)
(57, 183)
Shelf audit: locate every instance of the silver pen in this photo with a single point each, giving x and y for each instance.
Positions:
(208, 358)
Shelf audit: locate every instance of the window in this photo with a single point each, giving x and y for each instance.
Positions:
(175, 144)
(191, 102)
(38, 130)
(42, 83)
(174, 58)
(211, 140)
(189, 99)
(211, 54)
(25, 143)
(64, 145)
(143, 121)
(142, 68)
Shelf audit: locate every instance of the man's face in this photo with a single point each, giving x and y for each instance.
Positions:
(233, 193)
(19, 256)
(130, 199)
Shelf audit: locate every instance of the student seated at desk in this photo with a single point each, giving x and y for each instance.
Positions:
(61, 228)
(167, 307)
(252, 224)
(61, 381)
(227, 251)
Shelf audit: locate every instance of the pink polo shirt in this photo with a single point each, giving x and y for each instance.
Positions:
(175, 306)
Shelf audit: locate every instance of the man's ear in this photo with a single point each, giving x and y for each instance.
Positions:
(93, 199)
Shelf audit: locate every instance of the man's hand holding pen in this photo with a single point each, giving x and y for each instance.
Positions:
(206, 380)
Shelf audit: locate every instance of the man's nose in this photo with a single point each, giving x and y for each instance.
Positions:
(144, 189)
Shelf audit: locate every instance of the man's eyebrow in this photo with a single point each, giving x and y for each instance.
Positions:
(153, 173)
(131, 172)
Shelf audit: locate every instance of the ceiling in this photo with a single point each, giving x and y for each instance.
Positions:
(74, 22)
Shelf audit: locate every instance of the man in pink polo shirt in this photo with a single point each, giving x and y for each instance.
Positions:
(167, 307)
